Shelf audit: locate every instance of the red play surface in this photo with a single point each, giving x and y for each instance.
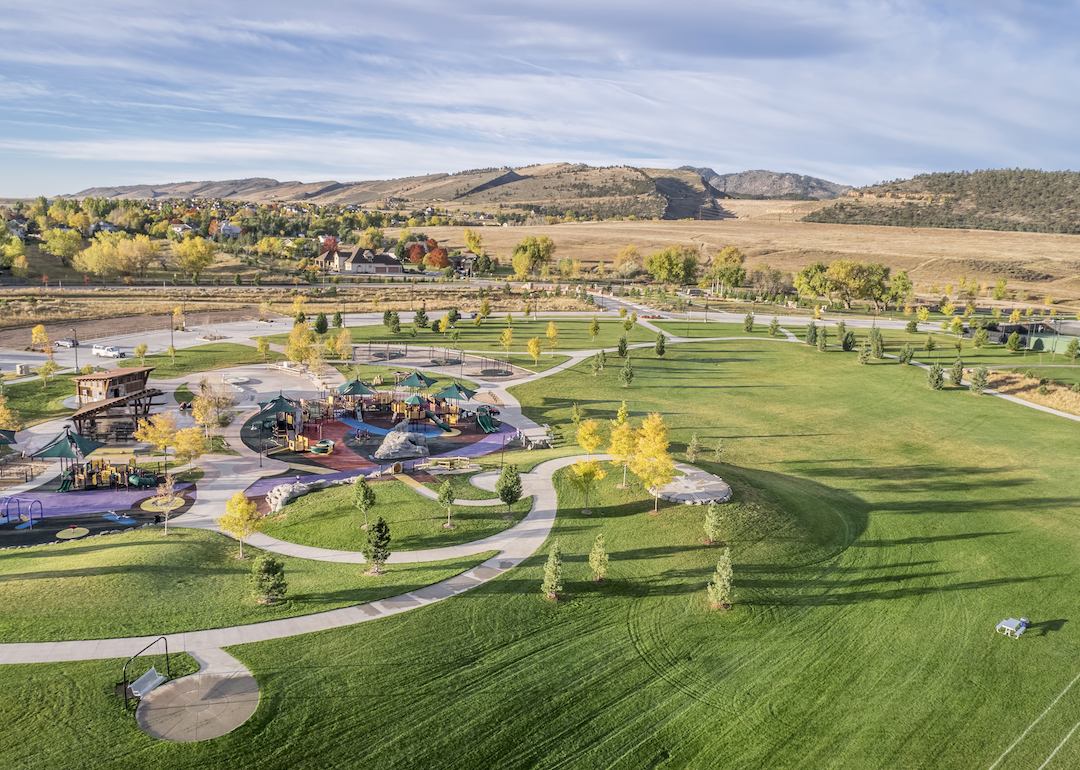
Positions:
(342, 458)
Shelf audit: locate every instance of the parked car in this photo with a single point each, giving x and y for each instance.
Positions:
(67, 342)
(108, 351)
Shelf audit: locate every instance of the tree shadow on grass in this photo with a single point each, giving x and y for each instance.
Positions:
(1047, 626)
(925, 540)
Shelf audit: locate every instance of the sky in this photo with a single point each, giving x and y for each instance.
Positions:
(116, 92)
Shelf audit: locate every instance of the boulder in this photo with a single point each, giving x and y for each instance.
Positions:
(400, 444)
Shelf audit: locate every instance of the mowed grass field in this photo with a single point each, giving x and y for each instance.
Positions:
(880, 531)
(202, 358)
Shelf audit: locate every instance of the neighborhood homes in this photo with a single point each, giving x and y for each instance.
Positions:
(359, 261)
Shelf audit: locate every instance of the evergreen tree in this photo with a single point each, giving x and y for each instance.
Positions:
(811, 334)
(553, 583)
(386, 317)
(774, 326)
(623, 346)
(692, 449)
(267, 580)
(718, 450)
(721, 592)
(363, 498)
(982, 337)
(594, 329)
(575, 414)
(748, 322)
(841, 330)
(598, 559)
(864, 353)
(321, 325)
(930, 345)
(1013, 343)
(626, 376)
(847, 342)
(659, 346)
(376, 548)
(956, 373)
(508, 487)
(877, 344)
(713, 522)
(300, 318)
(912, 327)
(420, 318)
(906, 354)
(823, 339)
(1072, 350)
(338, 321)
(935, 377)
(979, 378)
(395, 323)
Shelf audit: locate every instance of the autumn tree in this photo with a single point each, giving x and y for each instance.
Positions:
(140, 351)
(9, 418)
(651, 462)
(552, 336)
(589, 436)
(473, 240)
(167, 500)
(506, 339)
(535, 349)
(533, 252)
(301, 340)
(159, 431)
(594, 329)
(189, 445)
(193, 255)
(241, 519)
(586, 474)
(39, 338)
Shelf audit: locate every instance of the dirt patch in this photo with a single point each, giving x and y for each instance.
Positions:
(1057, 396)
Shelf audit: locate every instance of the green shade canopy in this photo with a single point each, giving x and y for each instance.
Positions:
(7, 436)
(415, 400)
(280, 404)
(456, 391)
(69, 446)
(417, 380)
(356, 388)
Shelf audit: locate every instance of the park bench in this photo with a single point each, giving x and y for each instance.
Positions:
(1012, 627)
(145, 684)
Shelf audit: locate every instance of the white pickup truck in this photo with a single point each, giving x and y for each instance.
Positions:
(108, 351)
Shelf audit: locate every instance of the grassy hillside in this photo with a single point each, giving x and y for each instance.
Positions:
(1004, 199)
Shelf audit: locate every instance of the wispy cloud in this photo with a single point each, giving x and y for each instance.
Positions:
(853, 90)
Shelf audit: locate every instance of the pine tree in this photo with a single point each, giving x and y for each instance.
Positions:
(847, 342)
(930, 345)
(321, 325)
(338, 321)
(395, 323)
(956, 373)
(906, 354)
(721, 592)
(774, 326)
(811, 334)
(553, 584)
(718, 450)
(659, 346)
(748, 322)
(508, 487)
(575, 414)
(877, 344)
(841, 330)
(979, 378)
(1013, 343)
(386, 317)
(420, 318)
(376, 548)
(935, 377)
(692, 449)
(912, 327)
(864, 353)
(1072, 350)
(713, 522)
(267, 580)
(623, 346)
(626, 376)
(598, 559)
(823, 339)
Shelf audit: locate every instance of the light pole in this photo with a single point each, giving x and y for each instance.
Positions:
(76, 338)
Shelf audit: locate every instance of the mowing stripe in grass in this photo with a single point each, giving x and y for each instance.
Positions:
(1028, 730)
(1063, 742)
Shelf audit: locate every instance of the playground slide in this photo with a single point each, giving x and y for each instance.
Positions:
(437, 421)
(487, 423)
(65, 485)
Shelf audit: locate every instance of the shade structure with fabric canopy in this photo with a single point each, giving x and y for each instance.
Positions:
(69, 446)
(356, 388)
(457, 392)
(7, 436)
(417, 380)
(415, 400)
(280, 404)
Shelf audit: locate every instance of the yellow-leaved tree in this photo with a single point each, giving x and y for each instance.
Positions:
(159, 432)
(189, 444)
(193, 255)
(301, 339)
(586, 474)
(651, 462)
(39, 338)
(553, 336)
(506, 339)
(343, 345)
(589, 435)
(241, 519)
(622, 447)
(534, 349)
(9, 418)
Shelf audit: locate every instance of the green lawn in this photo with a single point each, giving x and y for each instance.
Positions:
(140, 583)
(696, 329)
(35, 403)
(183, 394)
(202, 358)
(880, 531)
(328, 519)
(573, 334)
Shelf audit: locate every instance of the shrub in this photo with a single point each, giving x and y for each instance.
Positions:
(979, 378)
(912, 327)
(267, 580)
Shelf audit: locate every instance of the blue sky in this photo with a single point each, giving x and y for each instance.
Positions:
(122, 92)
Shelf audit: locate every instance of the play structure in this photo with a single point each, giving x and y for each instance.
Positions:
(12, 510)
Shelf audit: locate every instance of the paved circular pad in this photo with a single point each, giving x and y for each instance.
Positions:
(198, 707)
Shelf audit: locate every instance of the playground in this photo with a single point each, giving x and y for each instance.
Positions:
(880, 531)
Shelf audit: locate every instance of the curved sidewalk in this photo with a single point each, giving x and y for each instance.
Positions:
(517, 545)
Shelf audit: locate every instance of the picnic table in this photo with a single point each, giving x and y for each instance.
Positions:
(1012, 627)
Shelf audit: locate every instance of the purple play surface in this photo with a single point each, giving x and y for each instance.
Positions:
(93, 501)
(492, 442)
